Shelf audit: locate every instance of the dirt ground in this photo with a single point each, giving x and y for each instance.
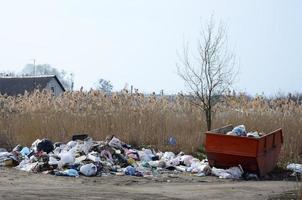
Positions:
(16, 184)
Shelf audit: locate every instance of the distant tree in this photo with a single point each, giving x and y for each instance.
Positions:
(209, 73)
(3, 74)
(104, 85)
(45, 69)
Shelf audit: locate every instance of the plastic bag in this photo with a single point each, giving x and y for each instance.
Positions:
(88, 170)
(130, 171)
(25, 151)
(26, 165)
(87, 145)
(53, 161)
(181, 168)
(168, 155)
(253, 134)
(116, 143)
(154, 164)
(173, 162)
(295, 167)
(93, 156)
(68, 172)
(35, 144)
(45, 145)
(199, 167)
(5, 154)
(186, 160)
(145, 155)
(130, 153)
(71, 144)
(106, 154)
(239, 130)
(66, 158)
(231, 173)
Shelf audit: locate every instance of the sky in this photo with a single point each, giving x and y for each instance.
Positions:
(135, 42)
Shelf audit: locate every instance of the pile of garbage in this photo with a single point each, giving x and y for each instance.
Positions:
(84, 156)
(241, 131)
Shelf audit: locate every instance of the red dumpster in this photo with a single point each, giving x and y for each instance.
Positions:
(256, 155)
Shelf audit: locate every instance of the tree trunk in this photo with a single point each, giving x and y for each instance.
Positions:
(208, 113)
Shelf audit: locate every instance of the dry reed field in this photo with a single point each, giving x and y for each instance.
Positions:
(142, 120)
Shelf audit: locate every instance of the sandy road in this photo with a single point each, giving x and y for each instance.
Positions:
(22, 185)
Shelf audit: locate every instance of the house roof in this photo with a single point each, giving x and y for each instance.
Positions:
(18, 85)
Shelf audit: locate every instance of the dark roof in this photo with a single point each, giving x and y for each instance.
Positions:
(18, 85)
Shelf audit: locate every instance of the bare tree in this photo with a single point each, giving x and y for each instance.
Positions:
(46, 69)
(210, 73)
(104, 85)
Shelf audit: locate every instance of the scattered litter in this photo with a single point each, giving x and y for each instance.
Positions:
(251, 176)
(297, 168)
(68, 172)
(26, 165)
(201, 174)
(172, 141)
(7, 159)
(231, 173)
(84, 156)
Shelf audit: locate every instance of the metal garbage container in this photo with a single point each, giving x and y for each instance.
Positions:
(256, 155)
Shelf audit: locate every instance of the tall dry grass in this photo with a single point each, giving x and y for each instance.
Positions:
(133, 118)
(141, 120)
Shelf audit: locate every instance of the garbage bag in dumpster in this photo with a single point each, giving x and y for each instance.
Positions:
(258, 155)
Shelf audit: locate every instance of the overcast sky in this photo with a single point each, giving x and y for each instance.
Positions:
(136, 42)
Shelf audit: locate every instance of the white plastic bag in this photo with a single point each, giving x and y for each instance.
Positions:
(26, 165)
(181, 168)
(53, 161)
(66, 158)
(199, 167)
(173, 162)
(231, 173)
(253, 134)
(187, 160)
(295, 167)
(168, 155)
(116, 143)
(93, 156)
(88, 169)
(71, 144)
(35, 144)
(145, 155)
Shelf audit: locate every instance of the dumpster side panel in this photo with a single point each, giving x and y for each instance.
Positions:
(268, 151)
(234, 145)
(270, 141)
(268, 161)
